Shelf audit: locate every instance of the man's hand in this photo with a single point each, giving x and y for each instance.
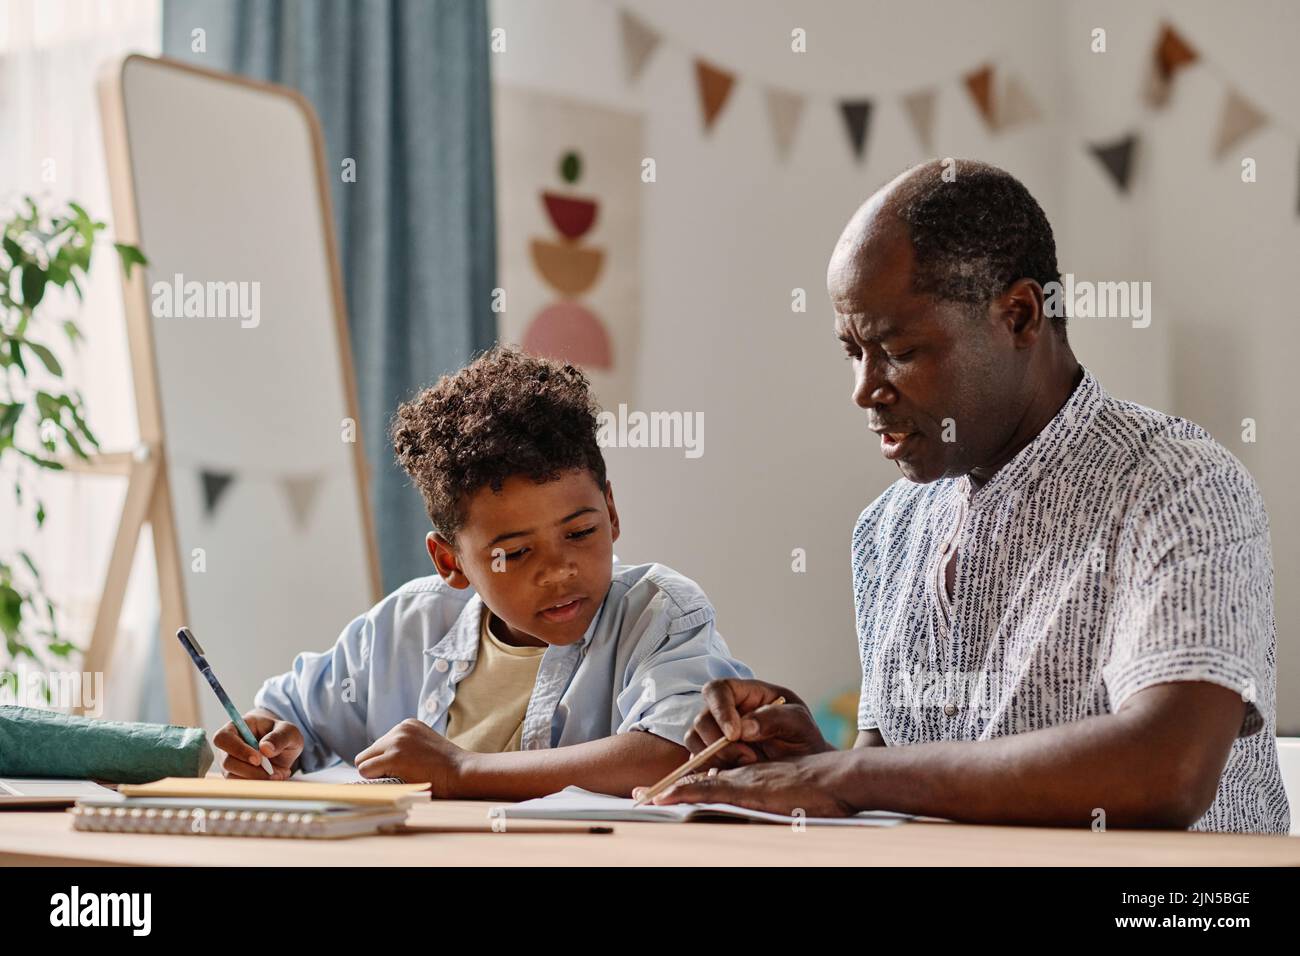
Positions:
(742, 711)
(277, 739)
(416, 753)
(779, 787)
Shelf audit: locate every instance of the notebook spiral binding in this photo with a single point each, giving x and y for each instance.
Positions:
(197, 821)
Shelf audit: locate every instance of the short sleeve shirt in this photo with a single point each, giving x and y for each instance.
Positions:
(1120, 549)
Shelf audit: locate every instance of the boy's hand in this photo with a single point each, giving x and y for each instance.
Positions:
(415, 752)
(277, 739)
(761, 731)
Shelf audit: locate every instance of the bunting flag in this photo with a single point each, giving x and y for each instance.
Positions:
(1170, 55)
(1117, 157)
(1237, 120)
(301, 492)
(215, 484)
(715, 86)
(919, 106)
(783, 110)
(1016, 106)
(639, 42)
(857, 116)
(979, 83)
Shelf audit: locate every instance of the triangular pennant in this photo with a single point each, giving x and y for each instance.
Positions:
(1170, 54)
(920, 110)
(1016, 105)
(979, 84)
(1238, 120)
(857, 116)
(639, 41)
(301, 492)
(783, 109)
(715, 86)
(1117, 157)
(215, 484)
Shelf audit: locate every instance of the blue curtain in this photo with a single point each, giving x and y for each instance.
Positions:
(403, 88)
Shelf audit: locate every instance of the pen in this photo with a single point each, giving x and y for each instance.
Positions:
(191, 645)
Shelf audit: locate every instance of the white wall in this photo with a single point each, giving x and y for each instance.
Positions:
(729, 230)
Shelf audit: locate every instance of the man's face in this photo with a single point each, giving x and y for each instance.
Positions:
(539, 554)
(939, 384)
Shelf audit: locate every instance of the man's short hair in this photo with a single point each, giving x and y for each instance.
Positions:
(976, 235)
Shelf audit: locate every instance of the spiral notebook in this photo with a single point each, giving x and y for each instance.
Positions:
(303, 819)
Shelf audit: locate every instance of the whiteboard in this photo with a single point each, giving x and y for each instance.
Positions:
(251, 364)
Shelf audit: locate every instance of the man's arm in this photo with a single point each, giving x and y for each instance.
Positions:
(1154, 763)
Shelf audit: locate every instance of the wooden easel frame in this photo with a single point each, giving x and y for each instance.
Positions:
(149, 497)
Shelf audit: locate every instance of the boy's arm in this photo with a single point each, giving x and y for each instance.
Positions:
(415, 752)
(325, 696)
(613, 765)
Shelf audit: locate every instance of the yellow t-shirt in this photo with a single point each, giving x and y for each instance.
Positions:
(487, 716)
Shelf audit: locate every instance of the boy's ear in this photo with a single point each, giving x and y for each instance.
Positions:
(613, 511)
(445, 560)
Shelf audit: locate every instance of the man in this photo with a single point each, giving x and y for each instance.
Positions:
(1064, 610)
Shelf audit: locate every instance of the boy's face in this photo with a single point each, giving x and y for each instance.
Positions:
(540, 555)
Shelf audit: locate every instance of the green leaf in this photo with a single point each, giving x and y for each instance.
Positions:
(16, 356)
(49, 463)
(62, 648)
(34, 278)
(47, 357)
(11, 611)
(14, 251)
(9, 415)
(130, 256)
(40, 514)
(31, 566)
(72, 332)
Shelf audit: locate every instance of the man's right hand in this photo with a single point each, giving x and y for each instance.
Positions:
(743, 711)
(278, 740)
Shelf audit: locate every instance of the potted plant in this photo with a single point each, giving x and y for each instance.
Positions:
(41, 420)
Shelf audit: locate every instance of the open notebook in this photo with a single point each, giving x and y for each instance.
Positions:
(574, 803)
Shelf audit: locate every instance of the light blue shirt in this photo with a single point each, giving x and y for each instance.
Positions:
(640, 665)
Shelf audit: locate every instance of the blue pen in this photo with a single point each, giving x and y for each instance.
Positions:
(191, 645)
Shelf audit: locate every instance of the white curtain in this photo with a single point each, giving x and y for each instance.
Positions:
(50, 148)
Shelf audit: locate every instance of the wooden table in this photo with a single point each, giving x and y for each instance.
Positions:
(29, 837)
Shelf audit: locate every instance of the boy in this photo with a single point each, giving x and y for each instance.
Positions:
(530, 662)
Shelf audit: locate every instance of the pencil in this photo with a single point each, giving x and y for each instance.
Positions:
(703, 757)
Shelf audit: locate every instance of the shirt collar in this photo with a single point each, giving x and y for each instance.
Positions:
(1050, 448)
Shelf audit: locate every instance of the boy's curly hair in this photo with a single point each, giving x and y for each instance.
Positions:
(506, 413)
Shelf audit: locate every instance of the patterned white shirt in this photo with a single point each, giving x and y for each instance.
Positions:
(1119, 549)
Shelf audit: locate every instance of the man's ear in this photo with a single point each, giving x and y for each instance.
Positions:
(445, 560)
(1022, 306)
(613, 511)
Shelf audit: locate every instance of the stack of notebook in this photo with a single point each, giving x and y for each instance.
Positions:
(216, 806)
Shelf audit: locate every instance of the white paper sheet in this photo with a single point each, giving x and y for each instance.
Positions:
(574, 803)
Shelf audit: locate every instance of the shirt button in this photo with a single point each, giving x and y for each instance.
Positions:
(440, 665)
(431, 703)
(462, 666)
(950, 709)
